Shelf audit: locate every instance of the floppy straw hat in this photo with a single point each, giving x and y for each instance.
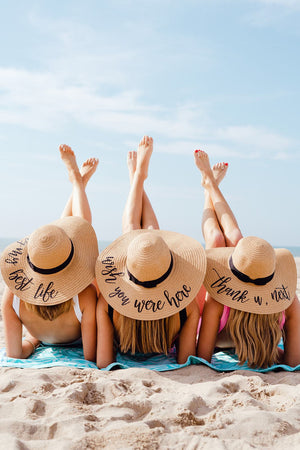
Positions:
(252, 276)
(148, 275)
(54, 263)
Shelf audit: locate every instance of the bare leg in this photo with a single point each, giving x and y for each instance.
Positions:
(78, 204)
(87, 169)
(219, 226)
(138, 164)
(149, 219)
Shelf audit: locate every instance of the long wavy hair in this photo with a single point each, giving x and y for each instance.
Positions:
(49, 312)
(255, 336)
(146, 336)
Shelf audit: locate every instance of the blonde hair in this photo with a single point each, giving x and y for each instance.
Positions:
(146, 336)
(50, 312)
(255, 336)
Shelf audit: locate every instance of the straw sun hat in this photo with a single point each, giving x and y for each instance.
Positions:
(148, 275)
(54, 263)
(252, 276)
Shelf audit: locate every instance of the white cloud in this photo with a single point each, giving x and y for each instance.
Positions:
(256, 137)
(273, 12)
(83, 87)
(291, 4)
(46, 101)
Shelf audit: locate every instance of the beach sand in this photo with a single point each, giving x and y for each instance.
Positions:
(190, 408)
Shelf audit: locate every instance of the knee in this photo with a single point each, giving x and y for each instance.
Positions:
(215, 239)
(233, 238)
(151, 227)
(127, 227)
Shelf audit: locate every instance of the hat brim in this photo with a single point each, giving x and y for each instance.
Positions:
(39, 289)
(275, 296)
(167, 298)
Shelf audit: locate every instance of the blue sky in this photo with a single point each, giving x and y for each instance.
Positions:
(222, 76)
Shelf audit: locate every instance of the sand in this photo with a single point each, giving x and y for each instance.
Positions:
(190, 408)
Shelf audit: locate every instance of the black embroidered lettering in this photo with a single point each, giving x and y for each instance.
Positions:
(47, 293)
(110, 271)
(13, 256)
(258, 300)
(221, 286)
(120, 294)
(178, 297)
(22, 282)
(149, 305)
(280, 293)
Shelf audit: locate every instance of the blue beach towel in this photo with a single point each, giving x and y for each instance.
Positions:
(51, 356)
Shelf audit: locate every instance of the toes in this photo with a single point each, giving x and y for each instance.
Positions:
(65, 149)
(200, 153)
(91, 162)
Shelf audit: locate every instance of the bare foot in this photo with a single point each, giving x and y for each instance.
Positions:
(202, 162)
(88, 168)
(68, 157)
(144, 153)
(131, 163)
(219, 171)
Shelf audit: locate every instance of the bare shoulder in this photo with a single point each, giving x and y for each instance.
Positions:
(213, 306)
(88, 297)
(7, 298)
(294, 309)
(193, 309)
(102, 304)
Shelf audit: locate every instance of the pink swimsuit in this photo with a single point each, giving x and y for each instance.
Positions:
(225, 315)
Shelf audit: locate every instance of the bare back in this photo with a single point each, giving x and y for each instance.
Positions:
(63, 329)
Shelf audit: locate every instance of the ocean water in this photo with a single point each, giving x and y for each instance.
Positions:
(294, 250)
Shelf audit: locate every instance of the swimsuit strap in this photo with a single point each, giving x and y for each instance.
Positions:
(111, 313)
(77, 309)
(183, 317)
(16, 305)
(224, 318)
(282, 322)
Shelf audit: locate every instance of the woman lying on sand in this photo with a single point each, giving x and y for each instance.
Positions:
(148, 279)
(251, 301)
(49, 275)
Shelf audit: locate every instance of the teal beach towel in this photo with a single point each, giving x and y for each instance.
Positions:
(53, 356)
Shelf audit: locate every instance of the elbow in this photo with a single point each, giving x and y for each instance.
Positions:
(104, 362)
(292, 362)
(204, 355)
(14, 355)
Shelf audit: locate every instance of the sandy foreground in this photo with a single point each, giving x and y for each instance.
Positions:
(190, 408)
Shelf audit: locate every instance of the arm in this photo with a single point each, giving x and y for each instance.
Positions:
(88, 301)
(188, 334)
(292, 334)
(105, 335)
(15, 347)
(212, 314)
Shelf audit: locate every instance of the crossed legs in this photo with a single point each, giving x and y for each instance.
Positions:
(78, 204)
(219, 225)
(138, 212)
